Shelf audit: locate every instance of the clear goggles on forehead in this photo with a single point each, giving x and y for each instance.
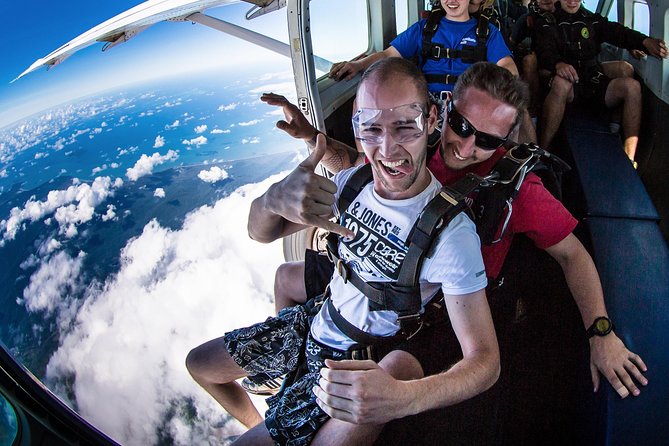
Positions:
(405, 123)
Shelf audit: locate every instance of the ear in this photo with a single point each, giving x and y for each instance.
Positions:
(432, 118)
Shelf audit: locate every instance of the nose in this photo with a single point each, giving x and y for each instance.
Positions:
(387, 145)
(467, 147)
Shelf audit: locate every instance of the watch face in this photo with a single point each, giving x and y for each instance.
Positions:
(603, 325)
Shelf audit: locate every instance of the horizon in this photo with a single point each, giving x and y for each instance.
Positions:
(164, 50)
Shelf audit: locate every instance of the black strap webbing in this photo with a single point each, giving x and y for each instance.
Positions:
(353, 186)
(353, 332)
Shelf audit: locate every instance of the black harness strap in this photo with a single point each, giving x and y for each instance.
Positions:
(469, 53)
(441, 78)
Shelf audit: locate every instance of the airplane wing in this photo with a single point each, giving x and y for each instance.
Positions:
(128, 24)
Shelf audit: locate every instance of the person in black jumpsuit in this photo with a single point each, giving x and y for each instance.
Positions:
(568, 43)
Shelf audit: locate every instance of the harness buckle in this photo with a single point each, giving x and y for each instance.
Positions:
(361, 354)
(415, 320)
(436, 52)
(342, 269)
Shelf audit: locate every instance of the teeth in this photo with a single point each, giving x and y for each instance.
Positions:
(458, 156)
(392, 164)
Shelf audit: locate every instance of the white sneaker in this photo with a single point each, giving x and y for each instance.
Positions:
(269, 387)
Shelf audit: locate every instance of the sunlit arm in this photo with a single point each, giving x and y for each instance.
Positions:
(608, 354)
(476, 372)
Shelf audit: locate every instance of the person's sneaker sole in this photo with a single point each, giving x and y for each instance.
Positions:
(270, 387)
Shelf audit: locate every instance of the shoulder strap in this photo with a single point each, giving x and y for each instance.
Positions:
(438, 213)
(356, 182)
(429, 30)
(503, 183)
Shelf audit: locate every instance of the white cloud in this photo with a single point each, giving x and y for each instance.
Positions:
(54, 284)
(201, 128)
(145, 164)
(228, 107)
(213, 175)
(99, 169)
(174, 290)
(217, 131)
(72, 206)
(159, 192)
(175, 124)
(159, 142)
(253, 140)
(197, 142)
(248, 123)
(110, 214)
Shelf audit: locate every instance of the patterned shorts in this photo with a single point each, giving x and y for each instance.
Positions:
(276, 347)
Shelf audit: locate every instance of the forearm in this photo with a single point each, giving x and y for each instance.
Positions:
(338, 156)
(582, 278)
(466, 379)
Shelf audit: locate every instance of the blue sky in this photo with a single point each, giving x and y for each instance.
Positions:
(34, 28)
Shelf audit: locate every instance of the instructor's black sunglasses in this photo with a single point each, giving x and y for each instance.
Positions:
(464, 129)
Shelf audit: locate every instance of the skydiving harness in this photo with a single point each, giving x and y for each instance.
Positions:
(403, 296)
(469, 53)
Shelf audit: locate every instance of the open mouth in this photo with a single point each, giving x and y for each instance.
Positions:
(457, 156)
(395, 168)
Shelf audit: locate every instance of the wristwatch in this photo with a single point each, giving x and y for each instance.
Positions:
(600, 327)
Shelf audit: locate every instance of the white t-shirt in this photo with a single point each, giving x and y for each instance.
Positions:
(381, 227)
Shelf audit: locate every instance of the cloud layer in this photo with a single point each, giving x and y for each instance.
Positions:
(175, 289)
(72, 206)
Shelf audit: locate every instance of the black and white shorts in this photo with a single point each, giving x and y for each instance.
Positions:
(276, 347)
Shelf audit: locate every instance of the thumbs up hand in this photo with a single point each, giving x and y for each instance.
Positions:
(306, 198)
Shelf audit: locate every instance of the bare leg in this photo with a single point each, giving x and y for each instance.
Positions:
(289, 289)
(527, 131)
(400, 365)
(531, 76)
(617, 68)
(212, 367)
(627, 91)
(561, 92)
(256, 436)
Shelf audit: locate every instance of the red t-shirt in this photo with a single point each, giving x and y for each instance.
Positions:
(535, 211)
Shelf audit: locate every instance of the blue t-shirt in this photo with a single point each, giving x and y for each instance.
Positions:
(450, 34)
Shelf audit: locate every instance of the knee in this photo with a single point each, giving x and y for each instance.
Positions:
(626, 69)
(402, 365)
(530, 63)
(282, 278)
(193, 362)
(289, 283)
(561, 88)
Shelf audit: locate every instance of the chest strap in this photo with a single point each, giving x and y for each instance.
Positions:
(441, 78)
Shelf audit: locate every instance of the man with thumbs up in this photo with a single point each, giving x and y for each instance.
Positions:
(393, 121)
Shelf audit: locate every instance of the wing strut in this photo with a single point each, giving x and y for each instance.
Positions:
(252, 37)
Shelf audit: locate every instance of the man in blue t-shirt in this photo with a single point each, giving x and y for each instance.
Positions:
(456, 31)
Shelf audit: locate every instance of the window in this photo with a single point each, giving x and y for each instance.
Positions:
(401, 15)
(641, 18)
(8, 423)
(339, 32)
(613, 12)
(590, 5)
